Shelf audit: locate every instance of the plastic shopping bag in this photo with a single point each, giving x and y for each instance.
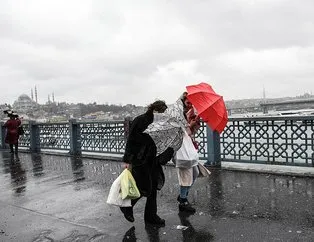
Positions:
(128, 186)
(203, 171)
(187, 152)
(115, 197)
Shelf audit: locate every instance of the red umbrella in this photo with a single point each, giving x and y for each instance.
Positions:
(209, 105)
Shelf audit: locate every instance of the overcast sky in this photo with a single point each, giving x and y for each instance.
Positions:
(137, 51)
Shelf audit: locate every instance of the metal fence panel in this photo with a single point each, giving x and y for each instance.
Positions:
(107, 137)
(25, 139)
(201, 138)
(271, 140)
(54, 136)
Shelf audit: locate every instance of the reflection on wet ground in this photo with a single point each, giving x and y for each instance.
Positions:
(12, 165)
(130, 235)
(231, 206)
(77, 169)
(37, 164)
(190, 234)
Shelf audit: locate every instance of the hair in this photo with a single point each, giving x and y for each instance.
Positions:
(157, 106)
(184, 95)
(183, 98)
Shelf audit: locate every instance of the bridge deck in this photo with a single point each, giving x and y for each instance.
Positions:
(59, 198)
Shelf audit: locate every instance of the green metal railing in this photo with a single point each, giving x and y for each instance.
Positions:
(267, 140)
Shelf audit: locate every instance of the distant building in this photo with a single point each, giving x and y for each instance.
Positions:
(24, 104)
(100, 115)
(3, 117)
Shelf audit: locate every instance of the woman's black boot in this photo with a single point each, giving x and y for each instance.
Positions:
(185, 206)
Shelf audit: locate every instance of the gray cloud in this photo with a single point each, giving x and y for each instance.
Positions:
(123, 52)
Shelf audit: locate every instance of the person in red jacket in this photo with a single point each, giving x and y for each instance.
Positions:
(12, 135)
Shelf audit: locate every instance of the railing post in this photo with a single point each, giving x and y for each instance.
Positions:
(127, 125)
(34, 136)
(213, 148)
(75, 137)
(2, 135)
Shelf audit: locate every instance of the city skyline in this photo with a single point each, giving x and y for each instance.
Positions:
(122, 52)
(51, 99)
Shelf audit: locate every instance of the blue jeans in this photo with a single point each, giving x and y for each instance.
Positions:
(184, 190)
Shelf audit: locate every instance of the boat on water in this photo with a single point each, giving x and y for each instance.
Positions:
(276, 114)
(301, 112)
(285, 113)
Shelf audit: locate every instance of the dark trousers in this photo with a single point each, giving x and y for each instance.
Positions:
(15, 147)
(151, 203)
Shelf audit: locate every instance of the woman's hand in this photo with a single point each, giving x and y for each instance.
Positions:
(193, 123)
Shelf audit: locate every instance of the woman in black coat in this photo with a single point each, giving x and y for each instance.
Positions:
(140, 153)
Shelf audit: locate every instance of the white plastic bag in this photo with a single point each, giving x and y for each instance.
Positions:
(203, 171)
(187, 155)
(114, 196)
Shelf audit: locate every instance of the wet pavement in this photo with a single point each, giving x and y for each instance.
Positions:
(59, 198)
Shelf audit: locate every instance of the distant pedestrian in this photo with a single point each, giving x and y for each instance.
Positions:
(12, 135)
(145, 165)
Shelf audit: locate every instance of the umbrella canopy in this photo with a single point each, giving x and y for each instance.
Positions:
(209, 105)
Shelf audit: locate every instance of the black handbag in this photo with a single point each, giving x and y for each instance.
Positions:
(20, 130)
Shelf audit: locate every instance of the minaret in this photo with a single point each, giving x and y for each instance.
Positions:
(36, 99)
(264, 95)
(48, 98)
(32, 95)
(53, 97)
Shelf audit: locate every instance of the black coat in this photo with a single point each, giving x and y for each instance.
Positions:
(140, 151)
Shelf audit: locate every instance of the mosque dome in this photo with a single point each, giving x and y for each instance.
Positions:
(24, 104)
(24, 97)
